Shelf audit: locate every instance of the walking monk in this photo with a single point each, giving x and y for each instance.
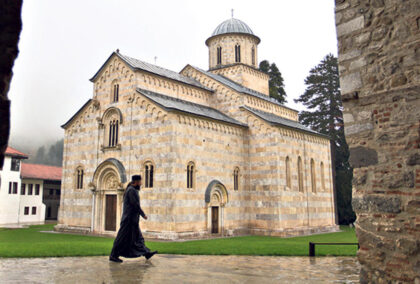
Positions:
(129, 241)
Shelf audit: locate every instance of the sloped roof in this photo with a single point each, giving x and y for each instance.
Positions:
(281, 121)
(239, 88)
(15, 153)
(171, 103)
(35, 171)
(154, 69)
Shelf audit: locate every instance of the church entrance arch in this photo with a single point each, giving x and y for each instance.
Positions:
(216, 197)
(108, 188)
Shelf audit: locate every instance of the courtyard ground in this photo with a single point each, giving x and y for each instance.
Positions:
(181, 269)
(35, 242)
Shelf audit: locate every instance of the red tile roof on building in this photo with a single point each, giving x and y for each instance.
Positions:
(14, 153)
(43, 172)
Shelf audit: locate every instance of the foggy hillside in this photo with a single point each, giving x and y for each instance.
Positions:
(47, 152)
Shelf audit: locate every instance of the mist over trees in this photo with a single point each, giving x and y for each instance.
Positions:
(52, 155)
(323, 100)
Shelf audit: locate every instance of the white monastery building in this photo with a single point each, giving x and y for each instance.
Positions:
(22, 189)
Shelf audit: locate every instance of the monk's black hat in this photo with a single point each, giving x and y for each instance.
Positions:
(136, 177)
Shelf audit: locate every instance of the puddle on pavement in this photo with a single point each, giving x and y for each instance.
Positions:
(182, 269)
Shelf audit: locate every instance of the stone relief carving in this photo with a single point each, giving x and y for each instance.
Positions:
(215, 199)
(111, 182)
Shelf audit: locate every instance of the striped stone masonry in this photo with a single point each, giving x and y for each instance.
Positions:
(169, 123)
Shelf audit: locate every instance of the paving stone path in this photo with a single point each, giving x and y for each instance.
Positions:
(181, 269)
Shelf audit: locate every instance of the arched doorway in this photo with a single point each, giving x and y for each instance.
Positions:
(107, 188)
(216, 197)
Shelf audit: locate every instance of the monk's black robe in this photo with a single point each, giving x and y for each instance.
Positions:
(129, 241)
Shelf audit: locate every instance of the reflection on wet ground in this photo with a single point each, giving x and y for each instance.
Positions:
(181, 269)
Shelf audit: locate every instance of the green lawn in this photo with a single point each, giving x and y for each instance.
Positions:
(30, 242)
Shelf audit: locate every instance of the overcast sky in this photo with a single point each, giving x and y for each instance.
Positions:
(64, 43)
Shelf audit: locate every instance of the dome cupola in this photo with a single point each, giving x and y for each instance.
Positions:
(232, 26)
(232, 42)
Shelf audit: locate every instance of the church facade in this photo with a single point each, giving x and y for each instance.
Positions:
(217, 155)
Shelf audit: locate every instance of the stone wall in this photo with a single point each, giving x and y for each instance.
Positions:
(10, 27)
(246, 76)
(227, 99)
(379, 63)
(272, 208)
(275, 208)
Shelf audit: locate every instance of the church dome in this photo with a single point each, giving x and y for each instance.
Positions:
(232, 26)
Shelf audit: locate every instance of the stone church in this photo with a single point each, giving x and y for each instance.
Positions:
(217, 155)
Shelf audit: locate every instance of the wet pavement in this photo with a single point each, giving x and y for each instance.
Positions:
(181, 269)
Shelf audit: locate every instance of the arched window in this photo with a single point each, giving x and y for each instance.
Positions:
(313, 176)
(237, 53)
(79, 178)
(113, 133)
(322, 176)
(236, 179)
(115, 93)
(148, 174)
(253, 55)
(288, 177)
(111, 121)
(190, 175)
(300, 174)
(219, 55)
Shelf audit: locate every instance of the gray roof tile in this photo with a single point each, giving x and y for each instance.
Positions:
(232, 26)
(277, 120)
(141, 65)
(171, 103)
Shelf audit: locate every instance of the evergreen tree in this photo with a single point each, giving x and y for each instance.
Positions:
(40, 155)
(323, 100)
(265, 66)
(275, 83)
(52, 157)
(55, 153)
